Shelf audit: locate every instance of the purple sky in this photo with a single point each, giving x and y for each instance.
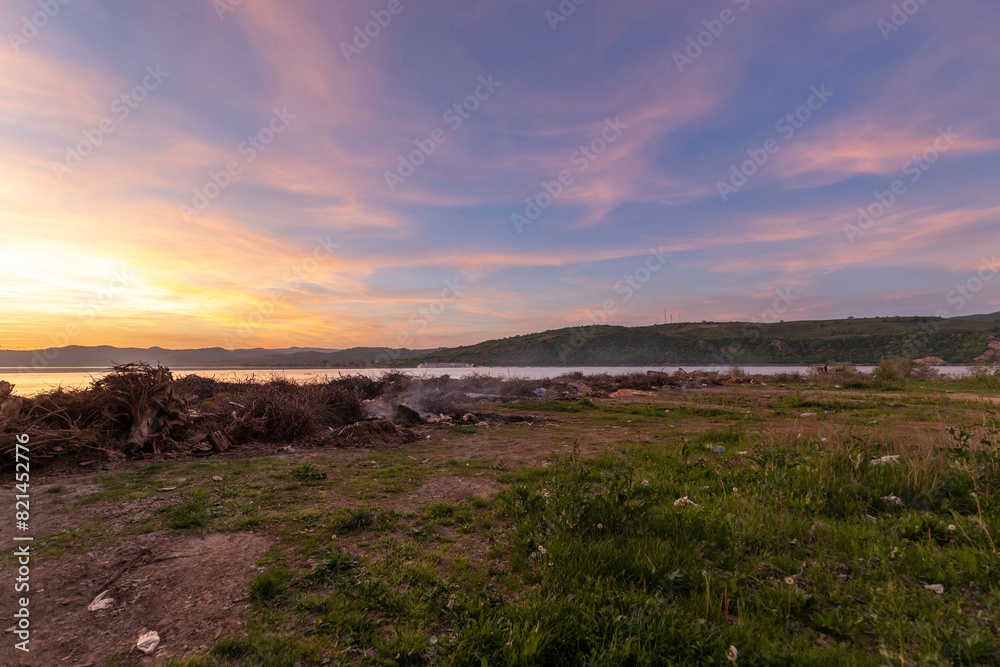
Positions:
(199, 173)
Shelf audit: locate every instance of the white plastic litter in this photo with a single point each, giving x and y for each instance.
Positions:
(148, 642)
(895, 500)
(685, 502)
(886, 460)
(100, 602)
(808, 414)
(937, 588)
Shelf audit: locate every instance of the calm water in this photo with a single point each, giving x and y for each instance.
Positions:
(28, 382)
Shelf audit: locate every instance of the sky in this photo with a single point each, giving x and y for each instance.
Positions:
(422, 173)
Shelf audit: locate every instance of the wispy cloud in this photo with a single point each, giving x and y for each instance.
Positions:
(194, 280)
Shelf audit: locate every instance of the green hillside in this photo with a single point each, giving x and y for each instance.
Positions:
(984, 317)
(861, 341)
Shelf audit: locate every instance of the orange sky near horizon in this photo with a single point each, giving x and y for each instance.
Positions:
(115, 126)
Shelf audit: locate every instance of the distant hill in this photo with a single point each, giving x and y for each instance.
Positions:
(103, 356)
(864, 341)
(861, 341)
(986, 317)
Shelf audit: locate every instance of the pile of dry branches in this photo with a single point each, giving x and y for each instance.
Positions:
(138, 409)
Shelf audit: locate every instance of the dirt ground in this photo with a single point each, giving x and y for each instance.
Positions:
(192, 590)
(189, 590)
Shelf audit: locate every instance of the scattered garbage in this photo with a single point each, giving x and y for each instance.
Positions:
(937, 588)
(886, 460)
(893, 500)
(148, 642)
(167, 488)
(685, 502)
(808, 414)
(100, 602)
(732, 654)
(718, 449)
(216, 478)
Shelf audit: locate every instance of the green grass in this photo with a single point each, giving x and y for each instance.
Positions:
(192, 513)
(795, 553)
(792, 556)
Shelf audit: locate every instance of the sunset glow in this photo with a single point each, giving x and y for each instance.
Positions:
(268, 174)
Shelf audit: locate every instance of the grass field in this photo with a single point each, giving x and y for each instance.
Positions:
(758, 525)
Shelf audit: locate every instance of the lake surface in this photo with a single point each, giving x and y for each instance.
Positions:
(30, 381)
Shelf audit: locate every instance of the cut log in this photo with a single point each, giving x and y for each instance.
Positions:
(220, 441)
(142, 427)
